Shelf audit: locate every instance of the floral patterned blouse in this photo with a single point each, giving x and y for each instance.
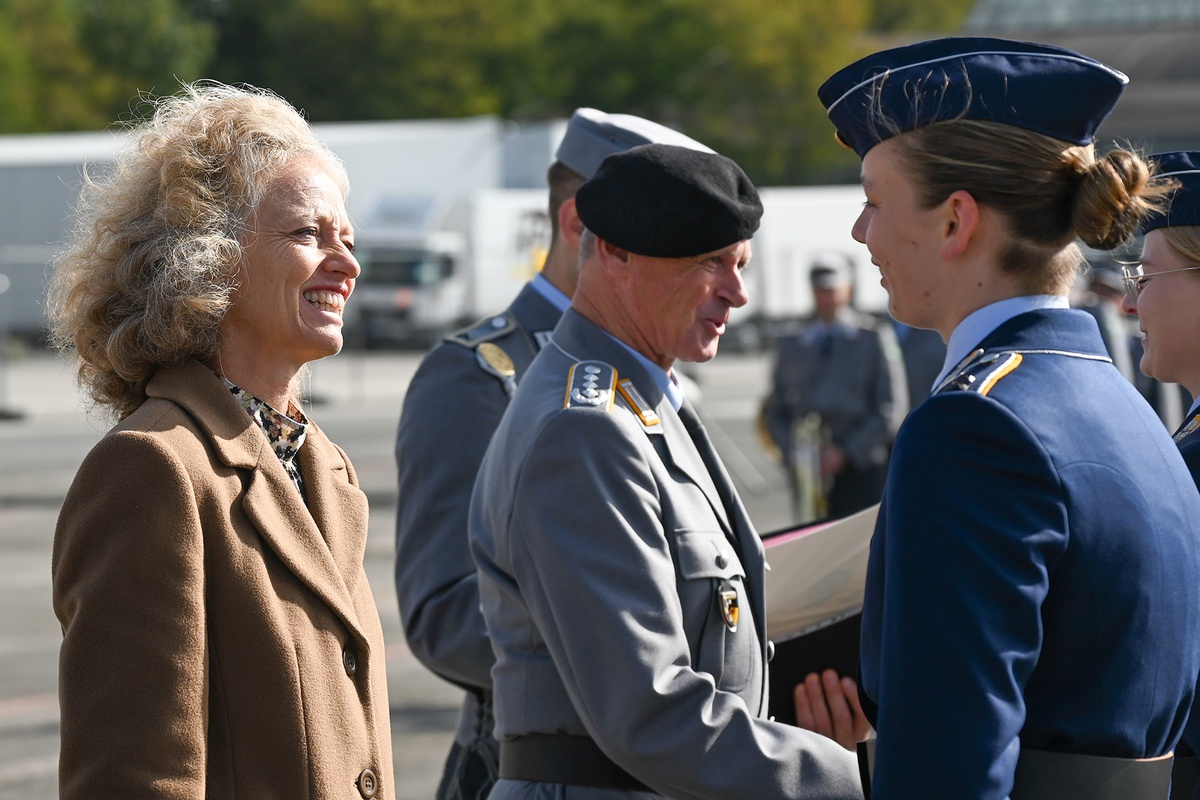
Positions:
(285, 432)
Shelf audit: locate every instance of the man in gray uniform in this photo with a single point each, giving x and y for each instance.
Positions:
(451, 409)
(838, 376)
(621, 578)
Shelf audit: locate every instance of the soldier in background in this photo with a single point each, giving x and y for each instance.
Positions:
(838, 395)
(451, 409)
(923, 352)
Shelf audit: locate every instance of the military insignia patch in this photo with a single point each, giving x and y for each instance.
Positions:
(495, 361)
(980, 375)
(1189, 428)
(637, 404)
(591, 383)
(727, 596)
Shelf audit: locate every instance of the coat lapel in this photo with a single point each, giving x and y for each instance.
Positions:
(294, 530)
(288, 527)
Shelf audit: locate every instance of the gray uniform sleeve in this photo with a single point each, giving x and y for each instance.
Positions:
(593, 565)
(866, 439)
(451, 410)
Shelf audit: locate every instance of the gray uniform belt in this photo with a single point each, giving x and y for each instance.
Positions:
(549, 758)
(1043, 775)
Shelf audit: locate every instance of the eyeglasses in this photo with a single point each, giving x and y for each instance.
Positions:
(1135, 280)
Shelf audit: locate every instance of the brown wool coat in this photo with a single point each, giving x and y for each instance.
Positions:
(219, 637)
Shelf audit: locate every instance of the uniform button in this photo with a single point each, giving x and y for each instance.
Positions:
(349, 661)
(770, 651)
(368, 784)
(722, 561)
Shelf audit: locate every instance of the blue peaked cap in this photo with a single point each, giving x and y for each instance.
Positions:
(1048, 90)
(1183, 167)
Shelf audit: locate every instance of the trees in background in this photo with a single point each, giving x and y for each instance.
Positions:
(80, 64)
(741, 76)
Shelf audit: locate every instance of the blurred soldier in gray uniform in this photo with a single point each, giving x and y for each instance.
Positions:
(924, 355)
(621, 578)
(451, 409)
(834, 407)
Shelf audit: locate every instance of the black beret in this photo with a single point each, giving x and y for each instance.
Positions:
(666, 201)
(1045, 89)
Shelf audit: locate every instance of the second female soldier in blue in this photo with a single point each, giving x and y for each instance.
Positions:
(1163, 291)
(1033, 591)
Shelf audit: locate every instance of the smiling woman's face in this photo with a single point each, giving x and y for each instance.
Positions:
(1168, 308)
(297, 272)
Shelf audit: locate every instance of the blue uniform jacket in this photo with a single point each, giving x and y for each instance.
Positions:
(1188, 440)
(1034, 577)
(604, 545)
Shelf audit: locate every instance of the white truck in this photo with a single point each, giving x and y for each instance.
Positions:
(430, 265)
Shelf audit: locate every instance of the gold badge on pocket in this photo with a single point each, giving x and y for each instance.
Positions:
(727, 596)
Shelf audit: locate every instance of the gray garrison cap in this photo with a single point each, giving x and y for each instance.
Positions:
(593, 136)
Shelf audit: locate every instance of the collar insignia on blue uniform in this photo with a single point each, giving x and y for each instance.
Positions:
(1192, 425)
(727, 596)
(591, 384)
(637, 404)
(981, 371)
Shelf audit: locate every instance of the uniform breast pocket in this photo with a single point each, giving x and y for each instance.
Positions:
(716, 611)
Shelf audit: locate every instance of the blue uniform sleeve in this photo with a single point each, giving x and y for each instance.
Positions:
(973, 523)
(451, 409)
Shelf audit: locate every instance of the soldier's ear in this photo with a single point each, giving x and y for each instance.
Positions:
(610, 254)
(960, 220)
(570, 226)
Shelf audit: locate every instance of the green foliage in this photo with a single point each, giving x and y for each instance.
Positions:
(740, 76)
(928, 16)
(76, 64)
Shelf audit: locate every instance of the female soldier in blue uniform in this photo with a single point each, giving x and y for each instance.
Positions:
(1167, 309)
(1171, 352)
(1032, 597)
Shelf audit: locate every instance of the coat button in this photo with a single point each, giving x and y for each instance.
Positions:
(722, 561)
(770, 651)
(349, 661)
(368, 784)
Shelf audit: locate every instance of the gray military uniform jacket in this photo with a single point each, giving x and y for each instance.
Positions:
(452, 407)
(851, 387)
(608, 552)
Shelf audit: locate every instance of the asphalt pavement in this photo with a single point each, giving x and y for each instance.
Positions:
(45, 431)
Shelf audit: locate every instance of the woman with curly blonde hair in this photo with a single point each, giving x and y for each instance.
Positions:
(1033, 586)
(219, 635)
